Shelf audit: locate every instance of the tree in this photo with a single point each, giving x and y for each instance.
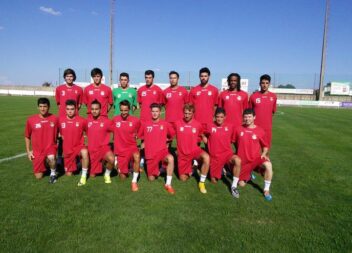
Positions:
(286, 86)
(46, 84)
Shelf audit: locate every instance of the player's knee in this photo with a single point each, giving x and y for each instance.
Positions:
(68, 174)
(242, 183)
(268, 166)
(84, 153)
(38, 176)
(136, 156)
(51, 159)
(237, 160)
(170, 159)
(205, 158)
(151, 178)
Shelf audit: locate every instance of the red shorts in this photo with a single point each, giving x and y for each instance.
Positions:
(70, 159)
(247, 168)
(218, 162)
(153, 163)
(39, 159)
(96, 157)
(185, 161)
(268, 134)
(123, 160)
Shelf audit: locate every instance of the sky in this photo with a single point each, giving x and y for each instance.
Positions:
(40, 38)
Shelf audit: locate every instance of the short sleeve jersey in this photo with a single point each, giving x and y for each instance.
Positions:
(220, 139)
(234, 103)
(98, 133)
(204, 99)
(264, 106)
(129, 94)
(102, 93)
(146, 96)
(174, 100)
(71, 131)
(65, 92)
(187, 135)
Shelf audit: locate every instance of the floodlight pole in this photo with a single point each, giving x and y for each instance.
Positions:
(323, 53)
(112, 12)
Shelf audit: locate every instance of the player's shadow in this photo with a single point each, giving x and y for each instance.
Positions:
(255, 186)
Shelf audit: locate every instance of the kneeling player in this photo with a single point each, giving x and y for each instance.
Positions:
(252, 148)
(188, 133)
(219, 137)
(125, 128)
(41, 133)
(71, 129)
(98, 132)
(155, 134)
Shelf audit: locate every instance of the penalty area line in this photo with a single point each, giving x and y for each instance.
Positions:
(12, 157)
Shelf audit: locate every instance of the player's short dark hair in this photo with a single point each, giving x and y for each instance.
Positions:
(125, 74)
(189, 107)
(173, 72)
(96, 71)
(149, 72)
(220, 110)
(155, 105)
(43, 101)
(204, 70)
(70, 72)
(125, 103)
(249, 111)
(238, 79)
(71, 102)
(96, 102)
(265, 77)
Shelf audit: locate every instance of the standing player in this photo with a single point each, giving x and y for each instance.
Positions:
(155, 133)
(233, 100)
(124, 93)
(98, 132)
(175, 97)
(252, 147)
(125, 128)
(71, 129)
(98, 91)
(148, 94)
(204, 97)
(264, 104)
(188, 133)
(219, 137)
(41, 134)
(68, 91)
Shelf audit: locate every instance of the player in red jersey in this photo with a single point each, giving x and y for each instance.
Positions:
(71, 128)
(98, 91)
(175, 97)
(219, 136)
(125, 128)
(204, 97)
(68, 91)
(252, 147)
(264, 104)
(233, 100)
(98, 132)
(41, 134)
(148, 94)
(156, 133)
(188, 133)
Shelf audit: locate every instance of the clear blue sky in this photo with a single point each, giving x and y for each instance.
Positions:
(246, 36)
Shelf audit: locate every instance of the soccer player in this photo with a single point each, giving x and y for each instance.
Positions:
(41, 134)
(204, 97)
(125, 128)
(98, 132)
(71, 129)
(264, 104)
(175, 97)
(155, 133)
(188, 132)
(68, 91)
(98, 91)
(148, 94)
(252, 147)
(233, 100)
(219, 136)
(124, 93)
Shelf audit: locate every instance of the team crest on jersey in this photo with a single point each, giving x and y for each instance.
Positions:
(254, 137)
(62, 93)
(102, 93)
(77, 124)
(209, 93)
(239, 98)
(194, 130)
(227, 97)
(144, 93)
(271, 99)
(118, 124)
(241, 134)
(63, 125)
(198, 93)
(213, 129)
(38, 125)
(226, 129)
(52, 124)
(90, 92)
(168, 95)
(90, 124)
(257, 100)
(182, 129)
(101, 124)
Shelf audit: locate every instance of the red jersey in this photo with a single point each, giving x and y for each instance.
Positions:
(98, 132)
(125, 133)
(204, 99)
(42, 132)
(174, 100)
(146, 96)
(65, 92)
(234, 103)
(264, 106)
(155, 135)
(187, 135)
(71, 131)
(249, 143)
(220, 139)
(102, 93)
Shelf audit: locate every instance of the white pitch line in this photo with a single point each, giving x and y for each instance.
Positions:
(12, 157)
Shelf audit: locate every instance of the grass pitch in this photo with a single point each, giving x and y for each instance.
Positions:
(311, 207)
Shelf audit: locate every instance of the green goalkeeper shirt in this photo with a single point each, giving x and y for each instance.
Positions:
(128, 94)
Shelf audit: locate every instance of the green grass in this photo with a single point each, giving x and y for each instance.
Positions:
(311, 209)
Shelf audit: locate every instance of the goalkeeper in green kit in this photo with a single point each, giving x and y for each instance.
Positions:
(124, 92)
